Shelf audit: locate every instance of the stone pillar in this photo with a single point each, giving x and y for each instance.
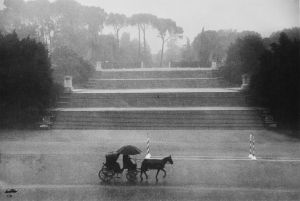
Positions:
(142, 64)
(98, 66)
(68, 84)
(214, 65)
(169, 64)
(245, 81)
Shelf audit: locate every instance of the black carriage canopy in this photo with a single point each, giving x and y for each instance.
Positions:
(111, 157)
(129, 150)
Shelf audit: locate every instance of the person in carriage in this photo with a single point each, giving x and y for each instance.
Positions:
(128, 164)
(112, 164)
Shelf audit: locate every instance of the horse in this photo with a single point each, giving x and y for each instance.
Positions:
(155, 164)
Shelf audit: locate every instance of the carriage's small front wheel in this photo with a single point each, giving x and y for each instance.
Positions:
(131, 175)
(105, 174)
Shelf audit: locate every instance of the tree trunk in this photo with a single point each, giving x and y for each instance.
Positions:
(144, 34)
(118, 42)
(145, 48)
(139, 53)
(162, 51)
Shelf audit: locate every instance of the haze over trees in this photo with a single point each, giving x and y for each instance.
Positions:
(74, 36)
(167, 29)
(142, 21)
(117, 21)
(62, 22)
(66, 62)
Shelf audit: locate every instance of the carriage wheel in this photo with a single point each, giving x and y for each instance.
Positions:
(131, 175)
(106, 175)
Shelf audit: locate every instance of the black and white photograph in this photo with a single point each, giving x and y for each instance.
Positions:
(149, 100)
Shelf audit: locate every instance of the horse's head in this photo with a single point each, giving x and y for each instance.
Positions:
(169, 159)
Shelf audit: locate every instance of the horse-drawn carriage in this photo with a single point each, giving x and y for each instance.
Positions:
(111, 168)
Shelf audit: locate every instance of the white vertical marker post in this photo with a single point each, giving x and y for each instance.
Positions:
(148, 155)
(252, 148)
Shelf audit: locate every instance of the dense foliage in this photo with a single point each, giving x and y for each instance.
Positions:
(276, 82)
(243, 57)
(69, 24)
(66, 62)
(273, 66)
(26, 86)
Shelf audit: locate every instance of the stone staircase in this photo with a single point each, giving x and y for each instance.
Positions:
(156, 78)
(153, 98)
(154, 83)
(157, 99)
(159, 118)
(147, 73)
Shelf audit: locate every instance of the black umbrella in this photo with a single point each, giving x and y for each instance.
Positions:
(129, 150)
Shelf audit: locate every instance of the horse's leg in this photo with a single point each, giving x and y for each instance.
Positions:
(157, 174)
(141, 175)
(164, 172)
(146, 174)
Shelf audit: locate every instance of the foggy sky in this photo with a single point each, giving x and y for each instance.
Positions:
(263, 16)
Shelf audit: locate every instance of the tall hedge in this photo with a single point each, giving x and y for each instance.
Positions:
(277, 81)
(243, 58)
(25, 81)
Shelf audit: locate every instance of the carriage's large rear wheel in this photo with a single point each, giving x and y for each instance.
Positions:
(105, 174)
(131, 175)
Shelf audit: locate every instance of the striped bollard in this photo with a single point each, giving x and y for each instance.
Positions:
(252, 148)
(148, 155)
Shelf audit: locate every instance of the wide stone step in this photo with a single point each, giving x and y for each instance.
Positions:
(157, 118)
(155, 73)
(156, 83)
(154, 99)
(127, 116)
(156, 115)
(158, 122)
(160, 127)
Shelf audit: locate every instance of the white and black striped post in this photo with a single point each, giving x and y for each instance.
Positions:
(148, 155)
(252, 148)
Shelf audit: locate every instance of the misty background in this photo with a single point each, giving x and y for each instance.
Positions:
(259, 39)
(262, 16)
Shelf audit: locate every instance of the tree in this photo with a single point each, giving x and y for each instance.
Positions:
(243, 57)
(276, 82)
(292, 33)
(25, 81)
(212, 45)
(93, 18)
(173, 51)
(142, 21)
(167, 29)
(187, 54)
(56, 24)
(66, 62)
(117, 21)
